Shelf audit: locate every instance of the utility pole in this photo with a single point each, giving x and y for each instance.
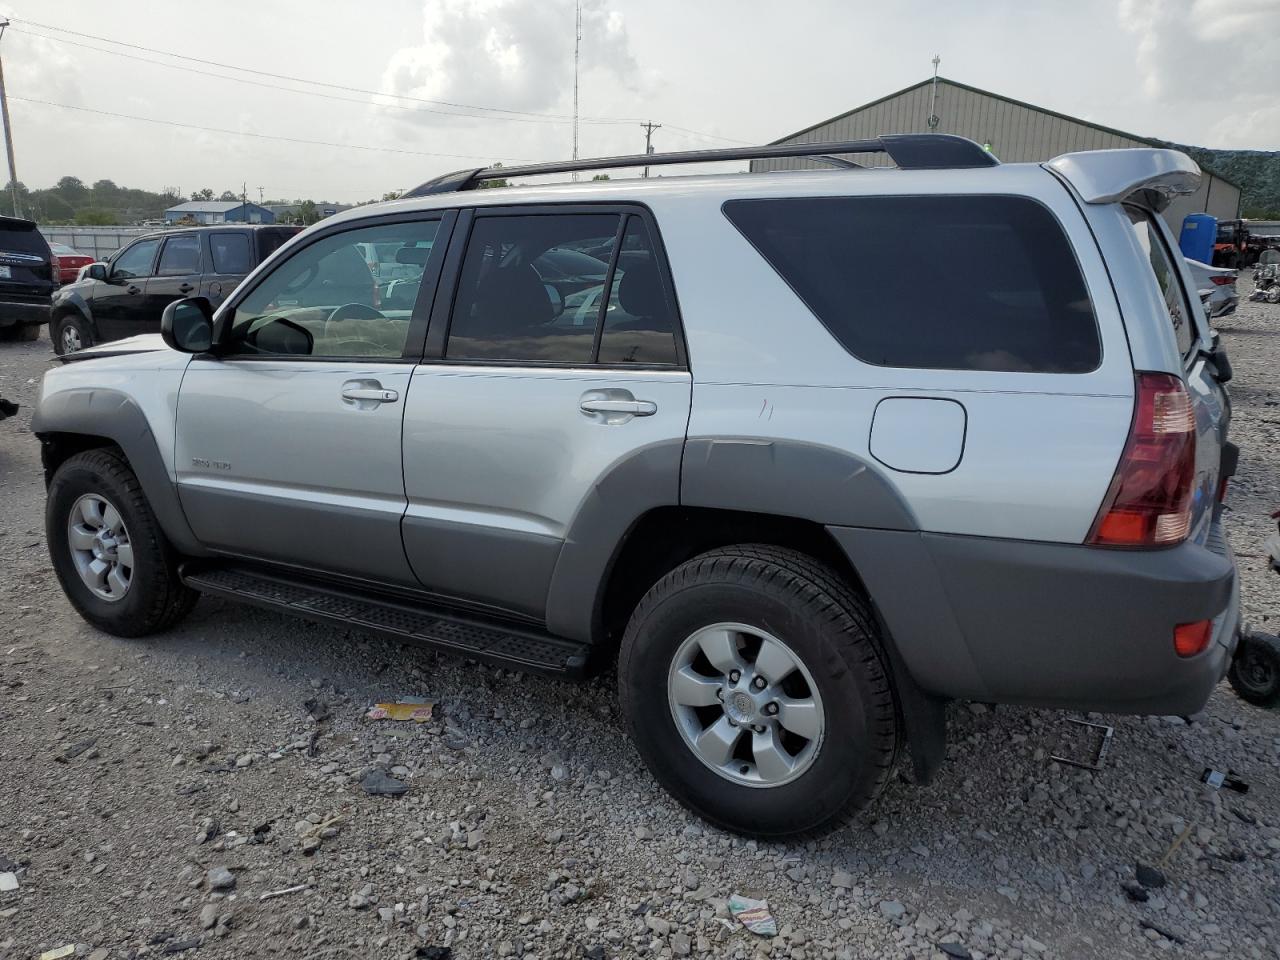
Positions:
(244, 199)
(648, 129)
(259, 196)
(577, 49)
(8, 135)
(933, 95)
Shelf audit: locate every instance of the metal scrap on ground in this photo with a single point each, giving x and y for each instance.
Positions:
(417, 709)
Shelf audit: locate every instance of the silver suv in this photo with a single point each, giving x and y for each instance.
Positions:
(808, 454)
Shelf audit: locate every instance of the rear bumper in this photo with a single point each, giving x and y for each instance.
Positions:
(1224, 307)
(1054, 625)
(22, 313)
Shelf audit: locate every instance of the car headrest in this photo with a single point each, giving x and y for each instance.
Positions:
(640, 292)
(512, 299)
(415, 256)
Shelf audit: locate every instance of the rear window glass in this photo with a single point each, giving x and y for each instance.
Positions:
(230, 253)
(1166, 276)
(23, 240)
(959, 283)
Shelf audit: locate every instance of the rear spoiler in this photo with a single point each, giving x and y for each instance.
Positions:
(1110, 176)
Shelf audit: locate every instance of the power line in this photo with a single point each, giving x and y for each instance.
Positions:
(267, 136)
(308, 93)
(318, 83)
(519, 115)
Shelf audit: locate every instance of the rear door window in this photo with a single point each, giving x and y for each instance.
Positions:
(230, 253)
(951, 282)
(180, 257)
(516, 303)
(1166, 274)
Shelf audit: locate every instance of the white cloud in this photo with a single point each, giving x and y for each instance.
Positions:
(508, 53)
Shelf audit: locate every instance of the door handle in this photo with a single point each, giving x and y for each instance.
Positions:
(131, 288)
(376, 394)
(185, 288)
(637, 408)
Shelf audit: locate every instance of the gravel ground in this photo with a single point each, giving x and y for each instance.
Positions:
(152, 794)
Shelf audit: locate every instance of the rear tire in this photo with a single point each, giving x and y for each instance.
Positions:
(69, 333)
(111, 557)
(1255, 669)
(824, 649)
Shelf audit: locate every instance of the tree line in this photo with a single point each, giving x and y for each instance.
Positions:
(103, 203)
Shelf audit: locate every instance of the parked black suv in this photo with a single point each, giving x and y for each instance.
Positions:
(125, 296)
(27, 279)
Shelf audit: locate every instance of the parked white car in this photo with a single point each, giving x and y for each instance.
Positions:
(1221, 281)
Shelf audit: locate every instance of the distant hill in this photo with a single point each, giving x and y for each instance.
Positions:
(1256, 171)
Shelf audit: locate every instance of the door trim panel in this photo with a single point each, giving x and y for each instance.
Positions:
(466, 560)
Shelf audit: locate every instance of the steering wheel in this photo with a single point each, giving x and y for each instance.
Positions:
(355, 311)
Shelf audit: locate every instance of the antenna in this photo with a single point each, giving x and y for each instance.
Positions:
(933, 96)
(577, 48)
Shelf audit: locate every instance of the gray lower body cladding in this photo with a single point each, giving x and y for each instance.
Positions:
(1046, 624)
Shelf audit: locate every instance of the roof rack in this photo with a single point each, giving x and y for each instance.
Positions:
(910, 151)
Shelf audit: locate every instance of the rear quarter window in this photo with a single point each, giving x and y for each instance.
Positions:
(950, 282)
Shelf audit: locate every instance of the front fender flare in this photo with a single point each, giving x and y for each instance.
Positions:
(115, 416)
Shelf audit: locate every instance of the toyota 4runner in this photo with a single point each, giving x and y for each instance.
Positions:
(720, 430)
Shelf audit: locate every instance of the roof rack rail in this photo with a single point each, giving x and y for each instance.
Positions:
(910, 151)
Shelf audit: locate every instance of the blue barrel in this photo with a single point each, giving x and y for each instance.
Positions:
(1199, 231)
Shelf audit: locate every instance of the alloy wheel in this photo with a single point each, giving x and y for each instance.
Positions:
(70, 339)
(746, 705)
(100, 547)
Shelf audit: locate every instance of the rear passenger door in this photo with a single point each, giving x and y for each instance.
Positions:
(231, 259)
(536, 386)
(177, 276)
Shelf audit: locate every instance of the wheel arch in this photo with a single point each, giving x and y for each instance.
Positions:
(72, 421)
(665, 537)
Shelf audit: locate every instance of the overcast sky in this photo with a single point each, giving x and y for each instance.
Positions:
(1197, 71)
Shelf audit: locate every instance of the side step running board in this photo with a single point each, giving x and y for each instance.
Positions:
(471, 636)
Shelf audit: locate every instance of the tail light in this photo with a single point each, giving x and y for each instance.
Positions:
(1192, 638)
(1222, 281)
(1149, 501)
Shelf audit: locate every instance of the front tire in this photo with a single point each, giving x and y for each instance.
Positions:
(111, 557)
(754, 685)
(69, 333)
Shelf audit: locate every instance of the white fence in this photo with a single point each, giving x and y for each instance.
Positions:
(96, 242)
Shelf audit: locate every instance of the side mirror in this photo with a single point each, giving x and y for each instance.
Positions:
(94, 271)
(187, 325)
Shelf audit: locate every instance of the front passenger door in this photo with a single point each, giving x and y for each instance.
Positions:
(117, 300)
(288, 440)
(177, 275)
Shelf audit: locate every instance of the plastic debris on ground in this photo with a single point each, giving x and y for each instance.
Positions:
(378, 784)
(1217, 780)
(8, 881)
(60, 952)
(417, 709)
(754, 915)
